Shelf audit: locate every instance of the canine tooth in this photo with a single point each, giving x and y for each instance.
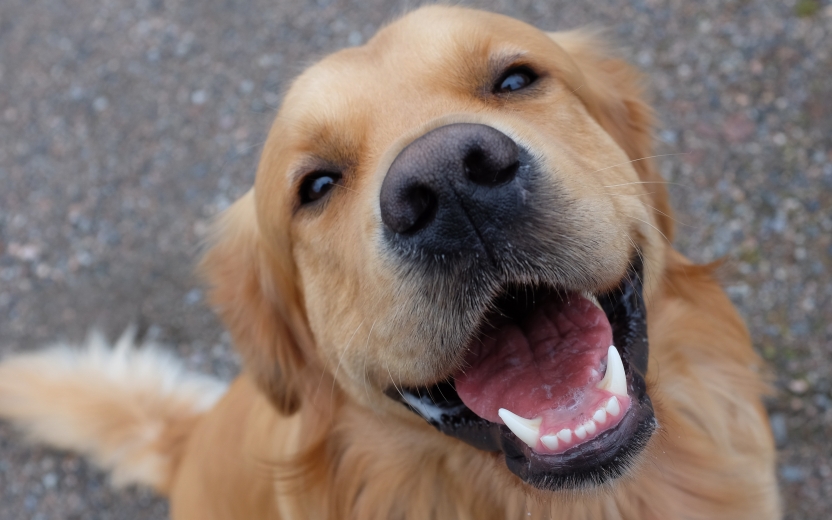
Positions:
(613, 408)
(580, 432)
(615, 379)
(527, 430)
(550, 441)
(565, 435)
(600, 416)
(590, 427)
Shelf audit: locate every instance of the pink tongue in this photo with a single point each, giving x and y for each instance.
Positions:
(549, 362)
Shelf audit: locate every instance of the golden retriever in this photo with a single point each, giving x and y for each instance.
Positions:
(454, 293)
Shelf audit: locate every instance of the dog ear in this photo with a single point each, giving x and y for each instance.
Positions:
(254, 297)
(613, 93)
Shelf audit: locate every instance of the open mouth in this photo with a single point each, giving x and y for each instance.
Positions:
(554, 380)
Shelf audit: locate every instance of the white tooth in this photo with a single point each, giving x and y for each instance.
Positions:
(591, 297)
(527, 430)
(613, 407)
(580, 432)
(590, 427)
(615, 380)
(600, 416)
(565, 435)
(550, 441)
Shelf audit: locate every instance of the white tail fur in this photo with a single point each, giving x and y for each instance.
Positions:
(129, 408)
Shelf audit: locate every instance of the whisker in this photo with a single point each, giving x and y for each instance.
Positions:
(635, 247)
(344, 187)
(340, 359)
(637, 160)
(647, 182)
(441, 393)
(570, 92)
(364, 370)
(660, 212)
(654, 227)
(671, 217)
(632, 194)
(579, 87)
(639, 276)
(400, 392)
(321, 380)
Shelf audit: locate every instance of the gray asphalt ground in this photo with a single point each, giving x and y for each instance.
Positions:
(126, 125)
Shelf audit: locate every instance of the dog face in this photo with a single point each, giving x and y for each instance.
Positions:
(459, 217)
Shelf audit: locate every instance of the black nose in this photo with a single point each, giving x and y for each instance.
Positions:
(452, 187)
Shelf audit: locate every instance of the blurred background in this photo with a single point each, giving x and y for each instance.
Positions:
(126, 125)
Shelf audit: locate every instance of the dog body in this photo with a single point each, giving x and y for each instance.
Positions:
(406, 190)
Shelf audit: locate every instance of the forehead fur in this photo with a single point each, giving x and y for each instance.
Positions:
(431, 62)
(435, 50)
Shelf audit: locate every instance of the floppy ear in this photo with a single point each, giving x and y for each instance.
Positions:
(255, 302)
(612, 91)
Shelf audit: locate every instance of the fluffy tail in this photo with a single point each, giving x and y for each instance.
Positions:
(128, 408)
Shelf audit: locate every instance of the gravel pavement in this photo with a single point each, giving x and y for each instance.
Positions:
(126, 125)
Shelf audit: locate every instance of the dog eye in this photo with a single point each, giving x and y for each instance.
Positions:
(316, 185)
(515, 78)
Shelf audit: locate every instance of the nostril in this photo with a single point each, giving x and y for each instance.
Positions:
(411, 210)
(423, 205)
(487, 170)
(507, 173)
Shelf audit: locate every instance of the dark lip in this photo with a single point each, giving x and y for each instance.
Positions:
(605, 457)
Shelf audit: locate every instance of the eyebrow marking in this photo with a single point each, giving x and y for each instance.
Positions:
(502, 60)
(309, 165)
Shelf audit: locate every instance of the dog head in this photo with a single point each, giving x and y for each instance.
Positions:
(460, 218)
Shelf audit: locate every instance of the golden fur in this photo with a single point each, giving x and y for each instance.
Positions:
(325, 323)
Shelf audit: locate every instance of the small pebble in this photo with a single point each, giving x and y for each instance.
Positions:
(792, 474)
(798, 386)
(779, 429)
